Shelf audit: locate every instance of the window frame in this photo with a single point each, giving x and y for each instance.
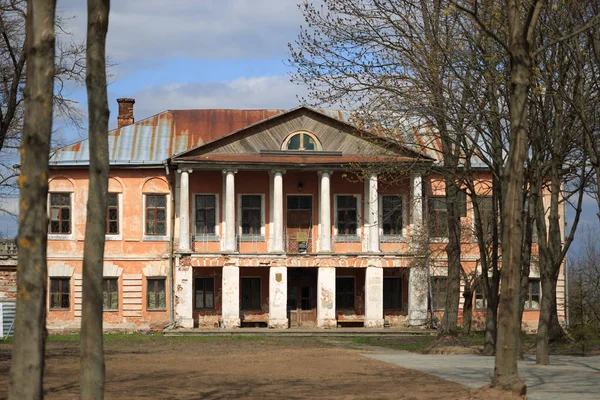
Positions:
(260, 237)
(397, 236)
(251, 308)
(57, 235)
(301, 133)
(529, 296)
(479, 292)
(341, 237)
(61, 292)
(199, 237)
(155, 280)
(106, 285)
(431, 211)
(204, 279)
(119, 234)
(392, 308)
(338, 306)
(157, 237)
(436, 290)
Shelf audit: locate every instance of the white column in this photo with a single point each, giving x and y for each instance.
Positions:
(230, 308)
(277, 222)
(326, 298)
(325, 212)
(373, 215)
(184, 210)
(184, 295)
(417, 295)
(418, 286)
(416, 210)
(229, 244)
(374, 297)
(278, 298)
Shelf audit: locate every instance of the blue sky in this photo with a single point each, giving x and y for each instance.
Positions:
(182, 54)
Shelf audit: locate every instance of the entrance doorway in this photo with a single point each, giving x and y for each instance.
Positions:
(302, 297)
(299, 224)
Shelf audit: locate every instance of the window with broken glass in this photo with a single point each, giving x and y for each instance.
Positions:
(60, 213)
(110, 294)
(60, 293)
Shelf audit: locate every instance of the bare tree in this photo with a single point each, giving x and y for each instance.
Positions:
(92, 351)
(27, 366)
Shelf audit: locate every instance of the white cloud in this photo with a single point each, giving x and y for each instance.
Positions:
(242, 93)
(151, 29)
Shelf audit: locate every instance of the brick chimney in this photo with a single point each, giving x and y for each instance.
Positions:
(125, 112)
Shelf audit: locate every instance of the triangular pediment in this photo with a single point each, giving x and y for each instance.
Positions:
(268, 137)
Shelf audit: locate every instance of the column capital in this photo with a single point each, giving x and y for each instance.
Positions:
(277, 171)
(228, 170)
(189, 171)
(325, 171)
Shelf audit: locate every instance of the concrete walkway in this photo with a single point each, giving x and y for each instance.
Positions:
(568, 377)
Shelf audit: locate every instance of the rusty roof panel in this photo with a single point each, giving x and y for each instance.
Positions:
(154, 139)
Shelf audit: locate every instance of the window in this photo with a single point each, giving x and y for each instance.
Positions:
(60, 294)
(250, 293)
(205, 214)
(156, 294)
(438, 287)
(204, 293)
(251, 214)
(438, 222)
(60, 213)
(480, 301)
(344, 292)
(112, 214)
(302, 141)
(462, 203)
(110, 292)
(486, 212)
(532, 301)
(346, 215)
(392, 215)
(156, 214)
(392, 294)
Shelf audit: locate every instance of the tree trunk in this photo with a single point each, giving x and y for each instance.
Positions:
(450, 319)
(92, 352)
(506, 374)
(467, 310)
(542, 355)
(27, 366)
(491, 316)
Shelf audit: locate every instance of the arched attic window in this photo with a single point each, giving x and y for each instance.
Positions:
(301, 141)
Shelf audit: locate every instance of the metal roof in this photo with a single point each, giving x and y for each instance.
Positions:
(153, 140)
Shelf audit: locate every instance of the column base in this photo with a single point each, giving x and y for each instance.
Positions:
(417, 318)
(279, 323)
(327, 323)
(232, 322)
(374, 323)
(186, 323)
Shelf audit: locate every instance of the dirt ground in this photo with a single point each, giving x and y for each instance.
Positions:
(237, 367)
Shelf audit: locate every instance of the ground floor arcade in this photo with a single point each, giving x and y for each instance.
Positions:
(294, 297)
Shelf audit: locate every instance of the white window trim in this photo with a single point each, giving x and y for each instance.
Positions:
(301, 132)
(118, 236)
(401, 237)
(157, 238)
(217, 217)
(359, 220)
(62, 236)
(262, 214)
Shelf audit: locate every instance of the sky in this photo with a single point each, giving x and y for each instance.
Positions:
(182, 54)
